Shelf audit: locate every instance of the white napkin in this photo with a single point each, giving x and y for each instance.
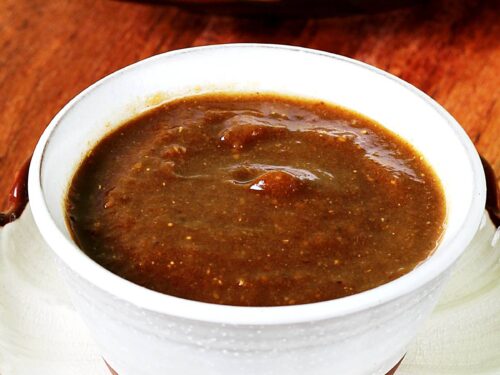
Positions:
(41, 334)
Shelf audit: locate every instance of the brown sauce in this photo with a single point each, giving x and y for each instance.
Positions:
(255, 200)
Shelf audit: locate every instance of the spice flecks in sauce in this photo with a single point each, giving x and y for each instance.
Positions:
(255, 200)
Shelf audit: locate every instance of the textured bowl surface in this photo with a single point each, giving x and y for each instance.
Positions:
(143, 332)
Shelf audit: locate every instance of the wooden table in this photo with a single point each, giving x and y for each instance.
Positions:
(52, 49)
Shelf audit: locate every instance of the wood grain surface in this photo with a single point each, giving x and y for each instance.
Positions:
(52, 49)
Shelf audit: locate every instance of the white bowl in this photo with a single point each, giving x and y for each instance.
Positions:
(141, 332)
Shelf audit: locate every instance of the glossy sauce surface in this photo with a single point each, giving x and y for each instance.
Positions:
(255, 200)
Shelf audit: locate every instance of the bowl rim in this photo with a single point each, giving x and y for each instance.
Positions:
(160, 303)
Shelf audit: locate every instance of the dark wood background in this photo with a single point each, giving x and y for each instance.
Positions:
(52, 49)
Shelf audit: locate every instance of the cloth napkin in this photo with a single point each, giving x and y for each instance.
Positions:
(42, 334)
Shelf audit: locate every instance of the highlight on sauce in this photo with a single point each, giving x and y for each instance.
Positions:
(255, 200)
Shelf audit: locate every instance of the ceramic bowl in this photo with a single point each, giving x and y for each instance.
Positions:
(142, 332)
